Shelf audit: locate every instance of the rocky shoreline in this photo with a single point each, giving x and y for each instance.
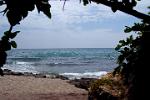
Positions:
(36, 75)
(103, 86)
(79, 83)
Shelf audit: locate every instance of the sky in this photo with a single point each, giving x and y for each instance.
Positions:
(77, 26)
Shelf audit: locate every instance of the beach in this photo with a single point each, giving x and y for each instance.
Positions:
(52, 74)
(14, 87)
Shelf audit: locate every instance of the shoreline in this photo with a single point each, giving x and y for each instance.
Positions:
(82, 83)
(30, 86)
(36, 75)
(67, 75)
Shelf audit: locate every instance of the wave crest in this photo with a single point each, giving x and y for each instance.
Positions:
(84, 75)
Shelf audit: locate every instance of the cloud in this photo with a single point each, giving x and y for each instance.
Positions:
(77, 26)
(69, 38)
(73, 14)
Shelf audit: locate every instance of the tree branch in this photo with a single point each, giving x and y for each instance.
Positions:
(126, 9)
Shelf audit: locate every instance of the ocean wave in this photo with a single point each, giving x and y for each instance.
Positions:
(23, 63)
(84, 75)
(20, 68)
(24, 58)
(57, 64)
(46, 63)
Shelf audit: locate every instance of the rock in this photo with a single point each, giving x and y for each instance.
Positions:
(7, 72)
(17, 73)
(40, 76)
(82, 83)
(1, 72)
(28, 74)
(61, 77)
(10, 72)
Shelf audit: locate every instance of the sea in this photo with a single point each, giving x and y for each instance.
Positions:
(69, 62)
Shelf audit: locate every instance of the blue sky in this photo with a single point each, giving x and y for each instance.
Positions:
(78, 26)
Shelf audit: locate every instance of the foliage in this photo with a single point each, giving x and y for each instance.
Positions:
(126, 6)
(132, 62)
(6, 44)
(107, 88)
(17, 10)
(127, 3)
(131, 49)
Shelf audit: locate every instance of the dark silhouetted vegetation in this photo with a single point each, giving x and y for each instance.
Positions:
(126, 6)
(133, 60)
(17, 10)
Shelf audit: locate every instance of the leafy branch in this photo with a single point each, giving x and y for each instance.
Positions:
(126, 6)
(17, 10)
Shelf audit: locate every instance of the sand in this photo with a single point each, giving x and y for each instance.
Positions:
(31, 88)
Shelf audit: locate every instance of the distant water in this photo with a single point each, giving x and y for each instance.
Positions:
(73, 63)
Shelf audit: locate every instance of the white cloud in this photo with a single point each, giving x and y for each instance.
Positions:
(68, 38)
(71, 27)
(74, 13)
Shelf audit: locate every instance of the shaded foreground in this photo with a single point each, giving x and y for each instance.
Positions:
(31, 88)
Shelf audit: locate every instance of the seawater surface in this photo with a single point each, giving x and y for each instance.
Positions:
(76, 62)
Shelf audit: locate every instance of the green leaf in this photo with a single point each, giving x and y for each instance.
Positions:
(126, 49)
(85, 2)
(122, 42)
(13, 44)
(31, 5)
(5, 38)
(13, 35)
(121, 58)
(47, 13)
(44, 6)
(114, 5)
(7, 33)
(128, 29)
(118, 47)
(129, 40)
(24, 14)
(134, 3)
(114, 9)
(14, 17)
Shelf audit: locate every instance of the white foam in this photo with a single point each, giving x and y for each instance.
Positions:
(22, 63)
(20, 68)
(84, 75)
